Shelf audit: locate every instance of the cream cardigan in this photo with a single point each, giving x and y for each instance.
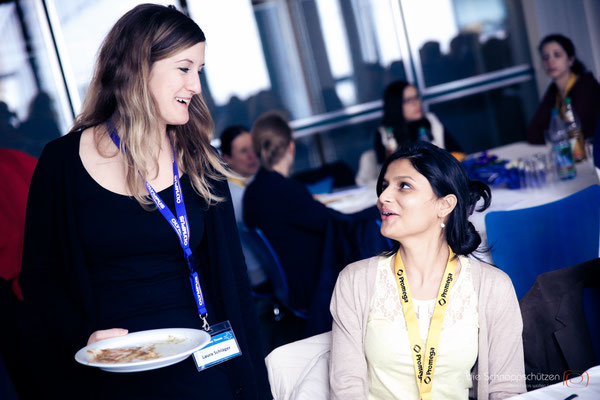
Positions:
(499, 371)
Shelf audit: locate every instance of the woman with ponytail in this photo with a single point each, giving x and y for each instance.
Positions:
(569, 79)
(302, 230)
(293, 221)
(423, 320)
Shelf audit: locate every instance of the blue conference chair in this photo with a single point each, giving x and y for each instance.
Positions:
(273, 269)
(525, 243)
(387, 240)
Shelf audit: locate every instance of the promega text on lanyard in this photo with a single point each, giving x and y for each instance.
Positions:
(428, 352)
(180, 225)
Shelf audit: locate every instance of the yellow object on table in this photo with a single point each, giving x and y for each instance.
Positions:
(458, 155)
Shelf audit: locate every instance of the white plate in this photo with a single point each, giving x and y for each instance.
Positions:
(172, 346)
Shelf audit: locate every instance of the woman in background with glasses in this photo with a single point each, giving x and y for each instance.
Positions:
(403, 121)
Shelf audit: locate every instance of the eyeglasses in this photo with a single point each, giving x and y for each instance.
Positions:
(411, 100)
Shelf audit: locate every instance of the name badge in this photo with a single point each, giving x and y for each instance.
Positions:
(223, 346)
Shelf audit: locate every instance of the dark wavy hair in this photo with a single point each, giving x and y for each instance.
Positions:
(393, 101)
(446, 176)
(393, 117)
(229, 135)
(567, 45)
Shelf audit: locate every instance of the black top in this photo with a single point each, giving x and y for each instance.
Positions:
(94, 259)
(142, 256)
(409, 132)
(585, 98)
(295, 224)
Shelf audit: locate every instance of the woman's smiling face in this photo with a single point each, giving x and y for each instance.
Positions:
(174, 81)
(407, 203)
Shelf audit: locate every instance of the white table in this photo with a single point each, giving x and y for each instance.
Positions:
(513, 199)
(357, 199)
(351, 200)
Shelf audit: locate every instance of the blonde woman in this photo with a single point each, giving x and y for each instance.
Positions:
(101, 257)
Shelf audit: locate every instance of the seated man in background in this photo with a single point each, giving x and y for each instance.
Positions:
(236, 147)
(238, 153)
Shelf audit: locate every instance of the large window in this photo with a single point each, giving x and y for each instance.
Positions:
(323, 63)
(34, 106)
(472, 37)
(78, 28)
(305, 58)
(252, 64)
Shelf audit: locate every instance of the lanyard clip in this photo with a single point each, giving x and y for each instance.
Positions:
(205, 324)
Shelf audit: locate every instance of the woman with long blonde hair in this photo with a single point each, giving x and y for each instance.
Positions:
(127, 210)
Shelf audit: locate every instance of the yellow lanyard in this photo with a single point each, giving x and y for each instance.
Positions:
(559, 100)
(237, 181)
(429, 352)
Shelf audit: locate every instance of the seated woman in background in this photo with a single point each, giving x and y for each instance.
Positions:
(569, 79)
(403, 121)
(294, 222)
(424, 318)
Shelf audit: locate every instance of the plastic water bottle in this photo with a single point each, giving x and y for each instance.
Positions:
(575, 132)
(423, 134)
(561, 147)
(388, 140)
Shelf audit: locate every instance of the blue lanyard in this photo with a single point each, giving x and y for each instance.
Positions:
(180, 225)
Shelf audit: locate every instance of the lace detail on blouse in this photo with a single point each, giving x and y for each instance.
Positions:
(387, 346)
(385, 303)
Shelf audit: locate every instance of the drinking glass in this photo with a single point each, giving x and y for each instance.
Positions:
(589, 149)
(534, 171)
(539, 168)
(522, 168)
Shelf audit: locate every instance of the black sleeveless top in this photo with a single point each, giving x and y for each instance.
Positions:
(139, 280)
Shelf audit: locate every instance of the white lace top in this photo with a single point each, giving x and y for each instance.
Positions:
(387, 349)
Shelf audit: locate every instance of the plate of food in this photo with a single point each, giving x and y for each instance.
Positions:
(142, 351)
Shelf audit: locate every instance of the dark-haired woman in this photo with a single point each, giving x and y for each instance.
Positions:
(569, 79)
(104, 254)
(403, 121)
(424, 321)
